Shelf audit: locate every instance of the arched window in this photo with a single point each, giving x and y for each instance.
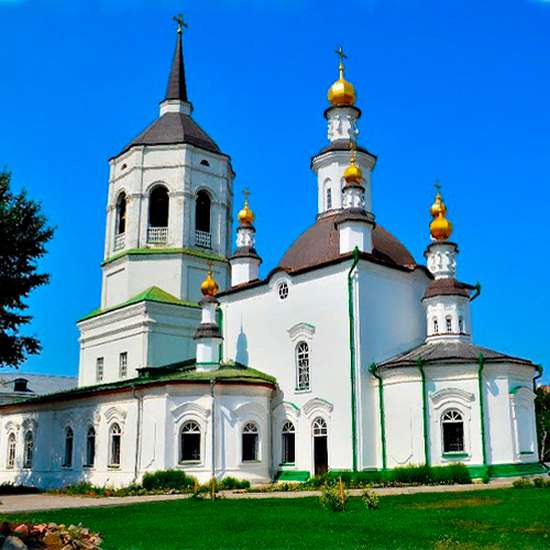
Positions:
(250, 442)
(320, 427)
(90, 447)
(69, 444)
(27, 454)
(121, 214)
(190, 442)
(329, 199)
(289, 443)
(115, 439)
(449, 323)
(157, 231)
(436, 326)
(461, 324)
(453, 431)
(10, 462)
(302, 366)
(202, 212)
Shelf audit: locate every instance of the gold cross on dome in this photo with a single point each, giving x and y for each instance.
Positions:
(181, 23)
(437, 185)
(246, 193)
(340, 53)
(210, 265)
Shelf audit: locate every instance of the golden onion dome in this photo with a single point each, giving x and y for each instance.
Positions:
(353, 173)
(245, 215)
(209, 287)
(438, 207)
(441, 228)
(342, 92)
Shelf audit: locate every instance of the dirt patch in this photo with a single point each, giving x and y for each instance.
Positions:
(456, 503)
(535, 529)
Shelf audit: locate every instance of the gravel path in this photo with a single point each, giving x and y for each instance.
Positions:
(41, 502)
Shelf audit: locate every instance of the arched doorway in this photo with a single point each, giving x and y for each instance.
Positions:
(320, 446)
(203, 236)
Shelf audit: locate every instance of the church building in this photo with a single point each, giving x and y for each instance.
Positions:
(348, 356)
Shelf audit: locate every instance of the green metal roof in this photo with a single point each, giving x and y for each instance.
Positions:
(152, 294)
(180, 373)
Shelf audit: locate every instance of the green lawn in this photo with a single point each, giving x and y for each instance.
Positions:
(505, 518)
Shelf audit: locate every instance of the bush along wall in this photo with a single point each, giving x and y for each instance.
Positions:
(407, 475)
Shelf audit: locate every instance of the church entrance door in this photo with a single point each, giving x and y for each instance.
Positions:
(320, 451)
(320, 446)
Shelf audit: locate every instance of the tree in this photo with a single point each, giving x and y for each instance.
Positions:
(24, 233)
(542, 407)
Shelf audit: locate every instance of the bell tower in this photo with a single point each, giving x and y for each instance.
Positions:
(168, 225)
(169, 203)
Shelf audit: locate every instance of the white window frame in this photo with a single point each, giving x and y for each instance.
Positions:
(99, 369)
(87, 462)
(123, 364)
(28, 449)
(68, 433)
(251, 427)
(455, 416)
(111, 463)
(302, 359)
(181, 432)
(11, 451)
(288, 427)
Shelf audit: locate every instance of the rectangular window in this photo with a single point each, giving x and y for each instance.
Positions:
(329, 198)
(123, 365)
(99, 369)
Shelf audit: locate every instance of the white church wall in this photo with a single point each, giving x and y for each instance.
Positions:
(316, 312)
(403, 419)
(391, 320)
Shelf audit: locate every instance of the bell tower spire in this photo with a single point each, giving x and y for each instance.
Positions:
(176, 99)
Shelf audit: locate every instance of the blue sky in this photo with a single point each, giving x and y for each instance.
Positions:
(455, 90)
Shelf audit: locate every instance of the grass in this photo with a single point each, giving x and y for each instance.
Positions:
(493, 519)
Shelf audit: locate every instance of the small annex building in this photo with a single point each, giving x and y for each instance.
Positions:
(348, 355)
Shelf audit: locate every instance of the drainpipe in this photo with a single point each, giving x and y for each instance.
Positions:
(481, 362)
(425, 419)
(477, 288)
(139, 415)
(540, 371)
(220, 325)
(213, 412)
(372, 370)
(352, 356)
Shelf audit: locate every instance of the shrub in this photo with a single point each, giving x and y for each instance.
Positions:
(168, 479)
(522, 483)
(539, 482)
(334, 496)
(228, 483)
(370, 499)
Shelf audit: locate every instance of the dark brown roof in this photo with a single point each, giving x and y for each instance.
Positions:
(451, 352)
(321, 243)
(447, 287)
(343, 145)
(176, 88)
(174, 128)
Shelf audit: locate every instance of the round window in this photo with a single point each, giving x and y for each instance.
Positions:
(283, 290)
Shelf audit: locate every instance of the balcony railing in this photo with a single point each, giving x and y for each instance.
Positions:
(203, 239)
(157, 235)
(119, 241)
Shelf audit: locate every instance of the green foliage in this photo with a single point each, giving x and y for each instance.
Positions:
(23, 236)
(407, 475)
(228, 483)
(334, 496)
(167, 479)
(542, 409)
(522, 483)
(370, 499)
(539, 483)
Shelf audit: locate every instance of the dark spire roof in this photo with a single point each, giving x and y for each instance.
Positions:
(176, 88)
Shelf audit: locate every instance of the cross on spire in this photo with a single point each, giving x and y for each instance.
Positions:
(437, 185)
(181, 23)
(340, 53)
(246, 194)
